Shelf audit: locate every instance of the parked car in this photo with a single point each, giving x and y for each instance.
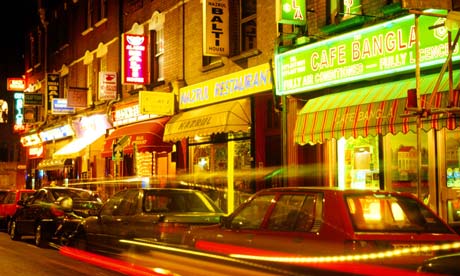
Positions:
(9, 205)
(44, 211)
(446, 265)
(301, 221)
(153, 214)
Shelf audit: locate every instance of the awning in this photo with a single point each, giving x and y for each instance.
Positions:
(148, 136)
(371, 111)
(75, 148)
(232, 116)
(53, 164)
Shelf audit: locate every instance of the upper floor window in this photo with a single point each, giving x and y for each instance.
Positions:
(248, 25)
(96, 10)
(157, 49)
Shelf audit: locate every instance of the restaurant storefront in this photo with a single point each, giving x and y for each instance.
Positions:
(135, 147)
(359, 120)
(217, 131)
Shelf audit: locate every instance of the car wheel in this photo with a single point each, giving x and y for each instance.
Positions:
(14, 231)
(40, 239)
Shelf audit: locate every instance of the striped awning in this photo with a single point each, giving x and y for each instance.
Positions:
(371, 111)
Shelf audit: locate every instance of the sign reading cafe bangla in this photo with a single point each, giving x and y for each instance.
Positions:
(374, 52)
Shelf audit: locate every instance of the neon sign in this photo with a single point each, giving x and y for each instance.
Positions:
(19, 113)
(135, 59)
(374, 52)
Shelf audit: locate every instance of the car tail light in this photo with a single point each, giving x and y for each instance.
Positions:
(56, 211)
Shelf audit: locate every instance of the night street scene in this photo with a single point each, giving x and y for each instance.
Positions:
(219, 137)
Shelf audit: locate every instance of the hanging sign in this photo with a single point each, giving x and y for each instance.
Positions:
(135, 59)
(215, 33)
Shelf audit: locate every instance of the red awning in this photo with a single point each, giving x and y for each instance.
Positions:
(372, 110)
(148, 136)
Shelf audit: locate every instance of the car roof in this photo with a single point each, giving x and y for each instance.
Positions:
(327, 189)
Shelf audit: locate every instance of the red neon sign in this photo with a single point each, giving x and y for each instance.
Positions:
(135, 59)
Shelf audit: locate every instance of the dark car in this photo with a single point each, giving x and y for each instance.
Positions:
(152, 214)
(9, 205)
(44, 211)
(313, 222)
(448, 264)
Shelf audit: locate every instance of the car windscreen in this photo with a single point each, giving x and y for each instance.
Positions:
(76, 195)
(177, 201)
(392, 213)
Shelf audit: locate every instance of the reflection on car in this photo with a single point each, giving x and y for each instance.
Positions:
(153, 214)
(9, 205)
(305, 221)
(44, 211)
(446, 265)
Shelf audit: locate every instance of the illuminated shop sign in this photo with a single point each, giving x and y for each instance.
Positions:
(236, 85)
(30, 140)
(292, 12)
(374, 52)
(19, 112)
(135, 59)
(56, 133)
(59, 106)
(107, 86)
(15, 84)
(215, 33)
(35, 151)
(160, 103)
(129, 113)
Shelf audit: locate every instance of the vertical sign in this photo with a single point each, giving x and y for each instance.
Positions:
(292, 12)
(19, 112)
(52, 82)
(215, 28)
(107, 86)
(135, 59)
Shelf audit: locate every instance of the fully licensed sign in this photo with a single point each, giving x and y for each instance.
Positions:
(374, 52)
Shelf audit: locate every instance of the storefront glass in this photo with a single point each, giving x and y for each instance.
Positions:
(358, 163)
(209, 167)
(404, 167)
(452, 174)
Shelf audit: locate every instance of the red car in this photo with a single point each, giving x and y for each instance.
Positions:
(9, 205)
(329, 222)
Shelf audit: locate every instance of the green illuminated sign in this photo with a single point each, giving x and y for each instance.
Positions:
(293, 12)
(374, 52)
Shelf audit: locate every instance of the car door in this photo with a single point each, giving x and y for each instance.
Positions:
(30, 213)
(293, 225)
(238, 230)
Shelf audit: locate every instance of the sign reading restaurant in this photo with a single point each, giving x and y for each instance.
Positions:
(235, 85)
(374, 52)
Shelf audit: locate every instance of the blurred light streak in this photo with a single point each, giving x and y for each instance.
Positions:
(191, 252)
(113, 264)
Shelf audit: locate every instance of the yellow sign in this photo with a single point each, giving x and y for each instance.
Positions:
(215, 24)
(236, 85)
(159, 103)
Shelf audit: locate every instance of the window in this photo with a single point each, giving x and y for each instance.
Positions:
(252, 216)
(89, 12)
(100, 10)
(248, 25)
(293, 213)
(157, 55)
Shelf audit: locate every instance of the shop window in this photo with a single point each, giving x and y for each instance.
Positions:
(404, 168)
(453, 159)
(358, 163)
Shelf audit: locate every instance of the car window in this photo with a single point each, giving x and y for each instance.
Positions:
(392, 214)
(3, 195)
(251, 215)
(163, 201)
(10, 198)
(128, 204)
(40, 196)
(113, 203)
(293, 212)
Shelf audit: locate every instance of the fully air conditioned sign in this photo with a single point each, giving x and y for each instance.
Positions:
(215, 24)
(374, 52)
(135, 59)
